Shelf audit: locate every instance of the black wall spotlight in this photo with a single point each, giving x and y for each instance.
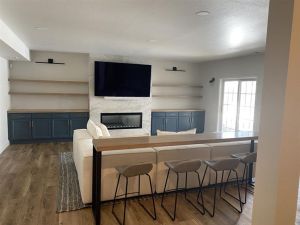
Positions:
(212, 80)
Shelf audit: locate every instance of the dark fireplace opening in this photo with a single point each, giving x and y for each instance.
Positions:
(122, 120)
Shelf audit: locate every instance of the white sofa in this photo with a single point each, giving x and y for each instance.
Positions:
(110, 160)
(83, 153)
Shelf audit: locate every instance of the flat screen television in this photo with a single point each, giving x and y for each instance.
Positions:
(122, 79)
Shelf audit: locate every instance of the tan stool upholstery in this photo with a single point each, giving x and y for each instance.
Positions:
(135, 170)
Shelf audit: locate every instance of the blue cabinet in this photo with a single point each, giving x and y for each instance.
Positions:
(41, 125)
(184, 121)
(41, 128)
(19, 126)
(78, 121)
(171, 124)
(177, 121)
(157, 122)
(32, 127)
(198, 119)
(61, 125)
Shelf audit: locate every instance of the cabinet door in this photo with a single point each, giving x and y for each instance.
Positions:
(198, 120)
(61, 128)
(20, 129)
(77, 123)
(157, 123)
(184, 123)
(41, 128)
(171, 123)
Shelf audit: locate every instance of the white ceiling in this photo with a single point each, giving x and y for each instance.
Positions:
(124, 27)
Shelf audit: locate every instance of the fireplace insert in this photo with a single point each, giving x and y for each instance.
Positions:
(122, 120)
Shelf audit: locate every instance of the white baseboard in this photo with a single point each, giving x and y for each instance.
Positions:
(3, 147)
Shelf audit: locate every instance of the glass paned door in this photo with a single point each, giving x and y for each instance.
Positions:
(238, 105)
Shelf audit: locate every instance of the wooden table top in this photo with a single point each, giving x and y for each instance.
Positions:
(109, 144)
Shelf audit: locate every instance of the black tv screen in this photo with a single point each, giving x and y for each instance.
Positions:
(122, 79)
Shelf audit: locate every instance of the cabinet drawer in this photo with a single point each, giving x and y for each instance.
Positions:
(158, 114)
(185, 113)
(79, 115)
(175, 114)
(19, 115)
(61, 115)
(41, 115)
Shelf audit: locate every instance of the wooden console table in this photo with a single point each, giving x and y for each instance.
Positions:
(111, 144)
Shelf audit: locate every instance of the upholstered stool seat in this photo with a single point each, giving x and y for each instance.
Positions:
(136, 170)
(249, 157)
(186, 167)
(183, 166)
(223, 165)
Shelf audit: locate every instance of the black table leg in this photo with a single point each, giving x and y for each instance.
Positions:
(96, 186)
(251, 165)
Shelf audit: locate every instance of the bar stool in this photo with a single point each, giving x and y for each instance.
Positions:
(222, 166)
(133, 171)
(247, 159)
(183, 167)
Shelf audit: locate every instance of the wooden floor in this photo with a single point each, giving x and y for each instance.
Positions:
(28, 187)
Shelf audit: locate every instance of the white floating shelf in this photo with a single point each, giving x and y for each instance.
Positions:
(48, 81)
(45, 93)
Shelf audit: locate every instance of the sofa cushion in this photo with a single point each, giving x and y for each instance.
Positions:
(79, 134)
(104, 130)
(161, 133)
(94, 130)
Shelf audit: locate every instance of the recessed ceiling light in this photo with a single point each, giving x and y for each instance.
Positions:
(202, 13)
(152, 40)
(40, 28)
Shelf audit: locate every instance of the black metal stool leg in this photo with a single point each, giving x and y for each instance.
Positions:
(239, 193)
(247, 178)
(202, 183)
(125, 203)
(200, 192)
(176, 195)
(221, 183)
(114, 202)
(152, 195)
(185, 187)
(163, 195)
(244, 179)
(215, 194)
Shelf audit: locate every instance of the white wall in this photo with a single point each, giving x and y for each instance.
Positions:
(75, 69)
(144, 105)
(4, 103)
(241, 67)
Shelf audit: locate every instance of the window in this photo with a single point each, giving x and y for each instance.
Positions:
(238, 105)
